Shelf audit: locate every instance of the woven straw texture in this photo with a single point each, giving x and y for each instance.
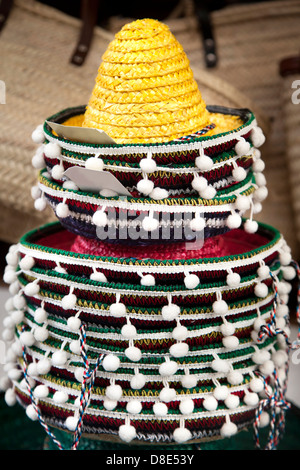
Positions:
(292, 123)
(251, 41)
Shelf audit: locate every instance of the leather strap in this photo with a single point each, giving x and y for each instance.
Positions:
(89, 15)
(5, 9)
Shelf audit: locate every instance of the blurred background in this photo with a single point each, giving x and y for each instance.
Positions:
(243, 54)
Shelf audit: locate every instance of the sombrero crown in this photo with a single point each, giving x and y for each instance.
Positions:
(145, 90)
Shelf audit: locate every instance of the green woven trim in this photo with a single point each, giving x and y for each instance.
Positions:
(54, 227)
(134, 287)
(188, 201)
(63, 115)
(222, 157)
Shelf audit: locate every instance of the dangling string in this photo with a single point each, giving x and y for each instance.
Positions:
(89, 376)
(34, 402)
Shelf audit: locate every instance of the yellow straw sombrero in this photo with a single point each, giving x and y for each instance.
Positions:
(145, 90)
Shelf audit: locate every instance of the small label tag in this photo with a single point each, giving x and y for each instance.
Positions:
(95, 181)
(87, 135)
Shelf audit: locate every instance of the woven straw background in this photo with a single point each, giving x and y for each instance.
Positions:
(36, 45)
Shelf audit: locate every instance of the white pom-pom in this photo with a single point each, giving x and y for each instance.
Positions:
(62, 210)
(221, 392)
(40, 204)
(232, 401)
(38, 161)
(283, 287)
(138, 381)
(256, 385)
(59, 358)
(264, 419)
(100, 218)
(8, 334)
(94, 163)
(127, 432)
(60, 397)
(220, 307)
(180, 333)
(114, 392)
(27, 338)
(111, 363)
(235, 377)
(40, 315)
(208, 193)
(19, 301)
(160, 409)
(74, 323)
(150, 224)
(41, 391)
(260, 194)
(258, 323)
(285, 258)
(168, 368)
(199, 183)
(220, 365)
(133, 353)
(134, 407)
(159, 193)
(128, 331)
(257, 207)
(75, 346)
(179, 349)
(41, 333)
(37, 135)
(31, 413)
(210, 403)
(52, 150)
(204, 162)
(70, 185)
(257, 137)
(242, 147)
(267, 368)
(260, 179)
(186, 406)
(71, 423)
(10, 397)
(43, 366)
(258, 166)
(17, 316)
(57, 172)
(117, 309)
(148, 280)
(145, 186)
(189, 381)
(260, 356)
(170, 312)
(233, 221)
(10, 276)
(191, 281)
(69, 302)
(288, 273)
(251, 226)
(242, 203)
(27, 263)
(282, 310)
(230, 342)
(78, 374)
(197, 224)
(32, 289)
(181, 435)
(251, 398)
(229, 428)
(280, 358)
(167, 394)
(148, 165)
(263, 272)
(97, 276)
(233, 279)
(109, 404)
(35, 192)
(261, 290)
(239, 173)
